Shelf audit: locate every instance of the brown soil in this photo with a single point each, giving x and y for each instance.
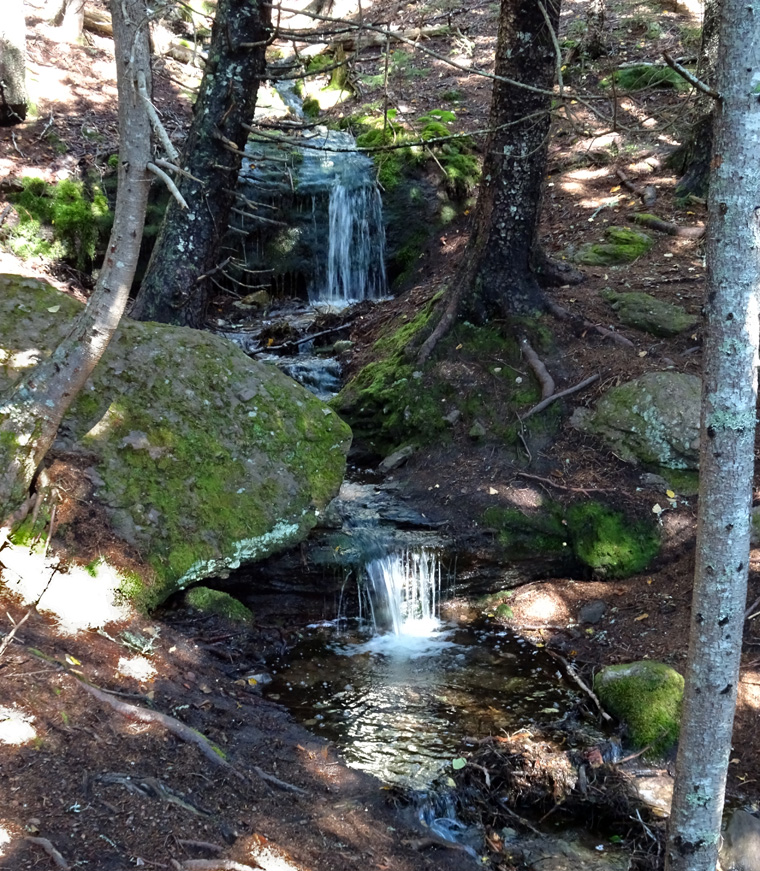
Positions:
(117, 793)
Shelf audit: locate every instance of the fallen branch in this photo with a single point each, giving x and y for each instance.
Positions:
(690, 77)
(200, 845)
(214, 865)
(549, 399)
(57, 858)
(581, 683)
(539, 369)
(9, 637)
(561, 486)
(563, 314)
(648, 193)
(655, 223)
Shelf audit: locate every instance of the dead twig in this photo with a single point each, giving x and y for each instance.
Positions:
(690, 77)
(572, 673)
(57, 858)
(169, 182)
(200, 845)
(648, 193)
(280, 784)
(539, 369)
(6, 642)
(214, 865)
(549, 399)
(567, 488)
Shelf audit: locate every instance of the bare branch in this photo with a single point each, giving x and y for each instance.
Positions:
(690, 77)
(549, 399)
(155, 121)
(174, 190)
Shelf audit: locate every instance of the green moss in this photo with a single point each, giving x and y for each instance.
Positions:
(647, 697)
(640, 76)
(216, 602)
(76, 220)
(609, 542)
(524, 534)
(622, 245)
(311, 107)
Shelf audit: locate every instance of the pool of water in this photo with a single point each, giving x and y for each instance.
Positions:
(400, 706)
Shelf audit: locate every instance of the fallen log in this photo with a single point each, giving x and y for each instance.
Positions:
(655, 223)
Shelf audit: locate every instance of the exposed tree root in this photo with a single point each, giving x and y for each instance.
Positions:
(549, 399)
(539, 370)
(57, 858)
(280, 784)
(648, 193)
(563, 314)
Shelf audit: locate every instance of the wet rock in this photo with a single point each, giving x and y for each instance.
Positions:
(653, 419)
(556, 854)
(396, 459)
(644, 312)
(646, 696)
(592, 612)
(741, 843)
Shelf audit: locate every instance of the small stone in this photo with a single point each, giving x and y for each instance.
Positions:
(477, 430)
(453, 416)
(260, 299)
(394, 460)
(342, 345)
(592, 612)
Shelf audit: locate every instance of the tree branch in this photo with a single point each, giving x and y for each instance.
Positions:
(690, 77)
(173, 189)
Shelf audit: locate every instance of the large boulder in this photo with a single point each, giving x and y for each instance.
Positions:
(653, 420)
(203, 459)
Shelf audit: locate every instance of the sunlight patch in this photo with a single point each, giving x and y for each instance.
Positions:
(15, 728)
(137, 667)
(270, 860)
(78, 600)
(5, 839)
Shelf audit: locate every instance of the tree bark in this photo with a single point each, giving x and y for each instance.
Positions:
(175, 288)
(499, 272)
(692, 158)
(13, 96)
(727, 448)
(33, 408)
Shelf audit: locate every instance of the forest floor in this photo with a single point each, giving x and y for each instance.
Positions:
(111, 792)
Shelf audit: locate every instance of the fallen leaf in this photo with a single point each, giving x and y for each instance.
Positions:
(670, 494)
(641, 617)
(54, 308)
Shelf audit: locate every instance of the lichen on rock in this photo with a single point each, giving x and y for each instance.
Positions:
(203, 458)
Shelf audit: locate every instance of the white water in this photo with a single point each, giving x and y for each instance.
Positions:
(406, 594)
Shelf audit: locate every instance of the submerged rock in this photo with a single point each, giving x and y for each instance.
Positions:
(645, 312)
(740, 850)
(653, 419)
(203, 459)
(646, 696)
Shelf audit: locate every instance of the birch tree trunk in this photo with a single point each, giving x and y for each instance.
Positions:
(13, 97)
(727, 448)
(33, 408)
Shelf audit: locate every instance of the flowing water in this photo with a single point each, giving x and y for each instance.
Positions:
(400, 689)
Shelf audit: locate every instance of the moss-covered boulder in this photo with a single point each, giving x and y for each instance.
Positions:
(209, 601)
(621, 245)
(645, 312)
(203, 459)
(652, 420)
(647, 697)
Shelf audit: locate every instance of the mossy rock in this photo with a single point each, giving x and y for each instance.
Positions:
(645, 312)
(610, 543)
(203, 459)
(647, 697)
(210, 601)
(621, 245)
(652, 420)
(529, 534)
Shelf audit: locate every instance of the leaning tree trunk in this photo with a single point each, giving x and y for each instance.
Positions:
(729, 396)
(33, 408)
(692, 158)
(177, 284)
(13, 97)
(499, 272)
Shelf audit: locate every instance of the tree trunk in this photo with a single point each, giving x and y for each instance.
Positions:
(176, 287)
(692, 158)
(33, 408)
(499, 272)
(13, 97)
(727, 449)
(595, 40)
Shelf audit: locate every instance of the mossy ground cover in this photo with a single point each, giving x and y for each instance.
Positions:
(209, 601)
(476, 377)
(62, 221)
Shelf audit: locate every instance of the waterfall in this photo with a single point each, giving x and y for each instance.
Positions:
(406, 593)
(315, 218)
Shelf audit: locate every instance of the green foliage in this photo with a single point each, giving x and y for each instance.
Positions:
(401, 65)
(61, 220)
(647, 697)
(452, 96)
(216, 602)
(318, 63)
(611, 544)
(640, 76)
(311, 107)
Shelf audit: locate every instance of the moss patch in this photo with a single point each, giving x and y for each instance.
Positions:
(647, 697)
(216, 602)
(645, 312)
(609, 542)
(640, 76)
(621, 245)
